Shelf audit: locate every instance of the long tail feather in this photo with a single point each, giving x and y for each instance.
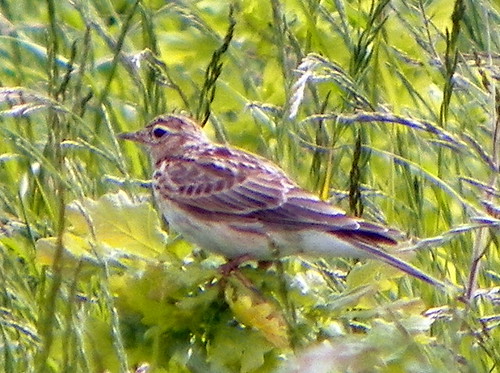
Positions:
(382, 255)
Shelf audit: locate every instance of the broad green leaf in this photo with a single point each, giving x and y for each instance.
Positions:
(240, 350)
(112, 226)
(121, 223)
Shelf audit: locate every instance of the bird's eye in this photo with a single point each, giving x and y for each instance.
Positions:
(159, 132)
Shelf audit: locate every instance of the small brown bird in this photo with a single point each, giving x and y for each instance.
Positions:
(243, 206)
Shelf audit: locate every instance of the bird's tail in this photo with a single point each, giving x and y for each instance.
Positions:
(375, 251)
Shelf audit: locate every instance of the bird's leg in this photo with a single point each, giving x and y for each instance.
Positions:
(233, 264)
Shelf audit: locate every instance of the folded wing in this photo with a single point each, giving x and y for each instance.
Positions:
(241, 188)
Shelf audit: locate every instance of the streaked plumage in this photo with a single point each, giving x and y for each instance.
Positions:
(241, 205)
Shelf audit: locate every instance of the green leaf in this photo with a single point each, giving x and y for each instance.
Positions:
(238, 349)
(112, 226)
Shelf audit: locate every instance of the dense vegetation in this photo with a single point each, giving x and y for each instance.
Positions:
(389, 109)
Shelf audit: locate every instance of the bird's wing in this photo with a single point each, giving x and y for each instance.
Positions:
(243, 187)
(303, 210)
(221, 186)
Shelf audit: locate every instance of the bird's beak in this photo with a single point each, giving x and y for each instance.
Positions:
(133, 136)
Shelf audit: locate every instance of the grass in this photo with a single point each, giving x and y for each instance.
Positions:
(388, 109)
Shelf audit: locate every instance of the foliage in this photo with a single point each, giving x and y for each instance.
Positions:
(389, 109)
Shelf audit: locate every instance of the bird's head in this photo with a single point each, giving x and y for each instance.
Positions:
(168, 134)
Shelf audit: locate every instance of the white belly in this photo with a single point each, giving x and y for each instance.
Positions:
(216, 237)
(232, 241)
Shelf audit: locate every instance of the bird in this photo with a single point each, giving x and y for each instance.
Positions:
(243, 206)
